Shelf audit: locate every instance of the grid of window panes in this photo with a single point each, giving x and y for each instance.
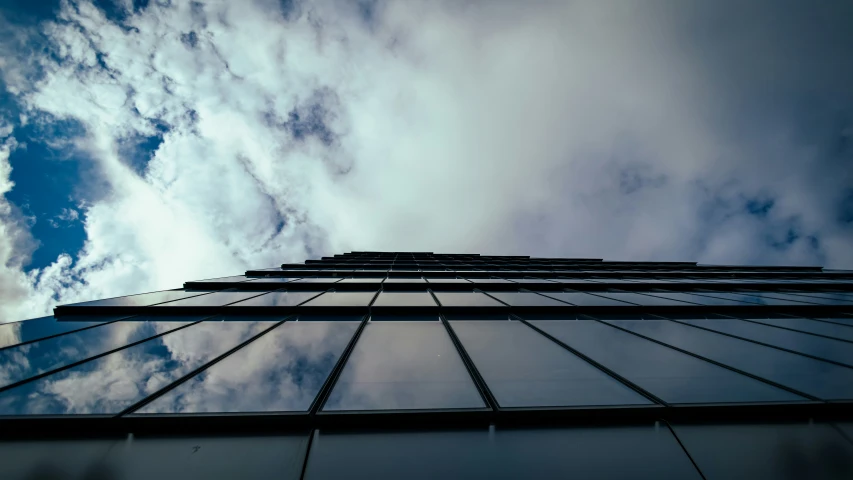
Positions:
(397, 339)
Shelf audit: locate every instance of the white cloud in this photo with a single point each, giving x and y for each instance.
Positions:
(568, 129)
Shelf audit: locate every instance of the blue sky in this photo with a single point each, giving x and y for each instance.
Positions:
(143, 144)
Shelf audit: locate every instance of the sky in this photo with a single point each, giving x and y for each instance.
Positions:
(148, 143)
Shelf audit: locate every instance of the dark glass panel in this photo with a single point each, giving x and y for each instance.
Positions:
(839, 320)
(466, 299)
(488, 280)
(318, 280)
(525, 369)
(817, 378)
(811, 326)
(404, 299)
(637, 452)
(14, 333)
(342, 299)
(206, 458)
(235, 278)
(110, 384)
(701, 300)
(781, 451)
(582, 299)
(53, 459)
(450, 280)
(277, 299)
(26, 361)
(530, 280)
(750, 298)
(527, 299)
(799, 342)
(404, 365)
(845, 298)
(274, 280)
(215, 299)
(144, 299)
(670, 375)
(370, 280)
(645, 300)
(281, 371)
(405, 280)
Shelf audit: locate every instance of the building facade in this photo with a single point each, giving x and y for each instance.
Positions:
(422, 365)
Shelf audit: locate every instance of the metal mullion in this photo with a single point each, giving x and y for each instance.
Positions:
(326, 389)
(63, 333)
(176, 383)
(794, 329)
(727, 367)
(494, 298)
(95, 357)
(478, 379)
(595, 364)
(314, 432)
(758, 342)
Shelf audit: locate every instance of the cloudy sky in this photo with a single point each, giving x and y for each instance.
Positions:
(146, 143)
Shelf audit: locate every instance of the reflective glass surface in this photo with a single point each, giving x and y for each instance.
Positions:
(489, 280)
(670, 375)
(215, 299)
(820, 347)
(750, 298)
(318, 280)
(530, 280)
(404, 299)
(645, 300)
(405, 280)
(582, 299)
(847, 298)
(820, 379)
(811, 326)
(698, 299)
(342, 299)
(14, 333)
(281, 371)
(363, 280)
(450, 280)
(466, 299)
(781, 451)
(523, 368)
(25, 361)
(526, 299)
(644, 452)
(274, 279)
(110, 384)
(404, 365)
(235, 278)
(277, 299)
(144, 299)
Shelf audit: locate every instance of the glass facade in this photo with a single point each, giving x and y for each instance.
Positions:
(422, 365)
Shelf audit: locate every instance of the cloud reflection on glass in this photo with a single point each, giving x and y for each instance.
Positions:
(281, 371)
(116, 381)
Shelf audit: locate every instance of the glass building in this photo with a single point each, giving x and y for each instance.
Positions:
(422, 365)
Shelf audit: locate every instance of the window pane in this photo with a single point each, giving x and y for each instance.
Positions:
(25, 361)
(342, 299)
(670, 375)
(120, 379)
(317, 280)
(277, 299)
(645, 300)
(750, 298)
(525, 369)
(799, 342)
(527, 299)
(811, 326)
(699, 299)
(466, 299)
(449, 280)
(143, 299)
(370, 280)
(235, 278)
(405, 280)
(274, 280)
(404, 299)
(281, 371)
(404, 365)
(748, 452)
(215, 299)
(582, 299)
(14, 333)
(821, 379)
(636, 452)
(831, 295)
(489, 280)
